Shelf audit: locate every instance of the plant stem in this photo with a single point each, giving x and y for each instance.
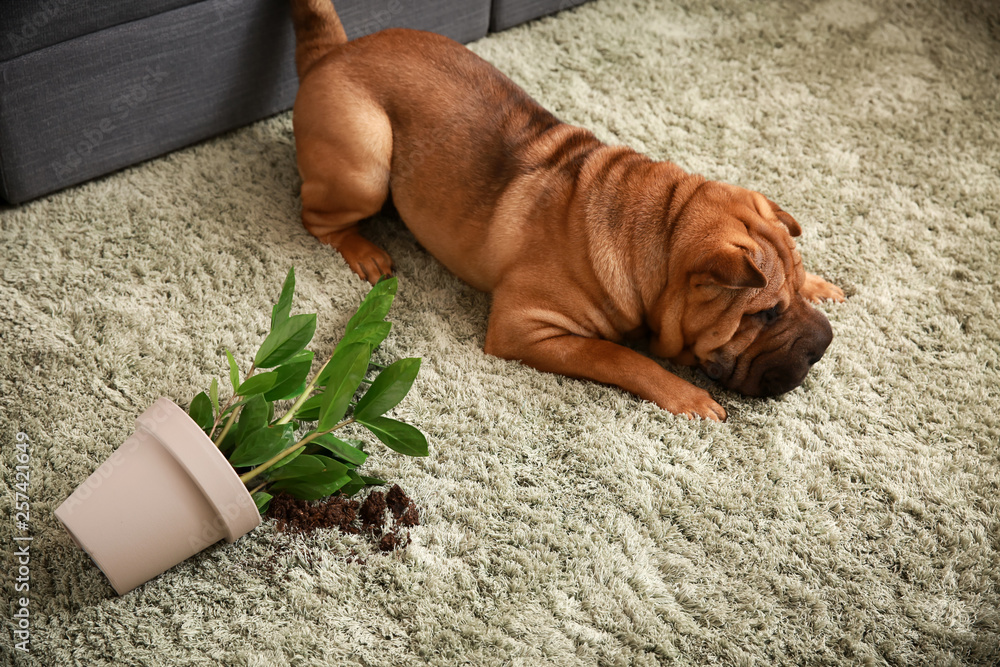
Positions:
(259, 487)
(229, 403)
(287, 417)
(229, 425)
(246, 477)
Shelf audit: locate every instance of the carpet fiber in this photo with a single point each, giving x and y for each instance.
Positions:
(853, 521)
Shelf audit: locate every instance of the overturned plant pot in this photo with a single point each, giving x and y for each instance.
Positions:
(184, 481)
(164, 495)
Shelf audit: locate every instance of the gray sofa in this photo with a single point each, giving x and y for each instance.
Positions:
(90, 86)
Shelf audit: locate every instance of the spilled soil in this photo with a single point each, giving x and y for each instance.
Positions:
(383, 518)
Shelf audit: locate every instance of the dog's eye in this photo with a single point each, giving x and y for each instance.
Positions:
(770, 315)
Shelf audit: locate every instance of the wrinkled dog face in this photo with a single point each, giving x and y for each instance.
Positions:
(745, 323)
(773, 349)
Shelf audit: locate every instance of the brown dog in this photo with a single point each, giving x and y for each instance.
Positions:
(580, 244)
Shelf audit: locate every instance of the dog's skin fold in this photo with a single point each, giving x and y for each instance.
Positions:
(580, 244)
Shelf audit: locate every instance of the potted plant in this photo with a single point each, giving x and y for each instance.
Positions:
(185, 480)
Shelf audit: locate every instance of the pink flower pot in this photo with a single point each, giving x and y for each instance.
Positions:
(164, 495)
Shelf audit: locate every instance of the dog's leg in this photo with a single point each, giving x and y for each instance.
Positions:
(547, 347)
(337, 226)
(815, 289)
(344, 149)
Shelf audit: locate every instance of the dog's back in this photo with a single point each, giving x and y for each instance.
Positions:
(414, 114)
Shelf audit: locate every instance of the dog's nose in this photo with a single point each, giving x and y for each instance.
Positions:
(820, 340)
(782, 375)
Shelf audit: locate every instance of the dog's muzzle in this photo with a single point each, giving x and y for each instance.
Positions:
(780, 360)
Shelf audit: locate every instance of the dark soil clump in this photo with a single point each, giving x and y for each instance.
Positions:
(370, 517)
(373, 513)
(404, 512)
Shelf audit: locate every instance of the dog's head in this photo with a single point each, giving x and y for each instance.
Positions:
(733, 305)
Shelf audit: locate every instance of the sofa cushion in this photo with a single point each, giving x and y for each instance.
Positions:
(29, 25)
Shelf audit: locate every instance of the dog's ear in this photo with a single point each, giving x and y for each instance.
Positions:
(731, 266)
(789, 222)
(784, 218)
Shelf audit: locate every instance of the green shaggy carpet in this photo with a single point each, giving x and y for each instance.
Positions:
(853, 521)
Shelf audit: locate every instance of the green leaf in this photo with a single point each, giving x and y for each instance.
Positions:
(370, 311)
(388, 389)
(355, 485)
(302, 466)
(201, 411)
(354, 442)
(286, 340)
(359, 482)
(288, 459)
(398, 436)
(262, 445)
(292, 376)
(331, 469)
(258, 384)
(341, 450)
(253, 417)
(284, 306)
(309, 412)
(234, 371)
(262, 500)
(234, 406)
(375, 306)
(349, 367)
(372, 333)
(305, 489)
(229, 442)
(313, 487)
(213, 392)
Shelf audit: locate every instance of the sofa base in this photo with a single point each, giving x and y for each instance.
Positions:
(91, 105)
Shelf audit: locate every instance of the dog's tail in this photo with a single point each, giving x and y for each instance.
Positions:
(318, 31)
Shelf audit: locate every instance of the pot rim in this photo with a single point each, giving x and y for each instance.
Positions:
(205, 464)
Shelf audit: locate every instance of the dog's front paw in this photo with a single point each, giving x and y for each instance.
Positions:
(815, 289)
(697, 403)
